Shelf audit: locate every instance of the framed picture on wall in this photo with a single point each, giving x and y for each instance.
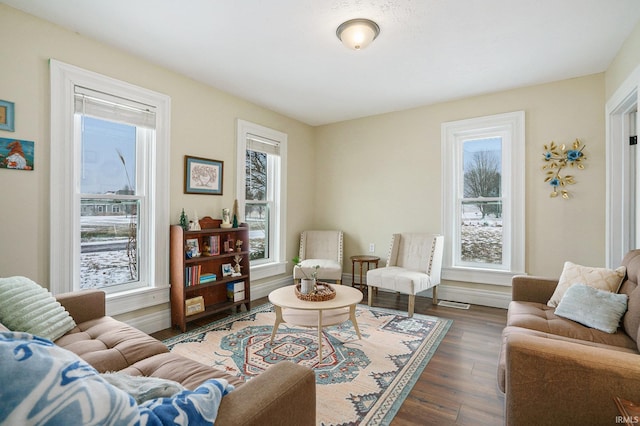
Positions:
(16, 154)
(202, 176)
(6, 116)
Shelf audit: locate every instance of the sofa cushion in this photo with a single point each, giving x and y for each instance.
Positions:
(631, 320)
(592, 307)
(110, 345)
(540, 317)
(601, 278)
(187, 372)
(510, 330)
(26, 306)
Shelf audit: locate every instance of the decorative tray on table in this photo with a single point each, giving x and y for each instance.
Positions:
(322, 292)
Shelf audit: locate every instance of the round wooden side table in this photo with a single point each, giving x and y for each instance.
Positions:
(361, 260)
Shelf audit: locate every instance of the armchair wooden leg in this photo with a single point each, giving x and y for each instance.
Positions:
(434, 298)
(370, 293)
(412, 304)
(338, 281)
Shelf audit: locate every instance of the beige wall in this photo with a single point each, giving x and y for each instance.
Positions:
(380, 175)
(203, 124)
(625, 62)
(369, 177)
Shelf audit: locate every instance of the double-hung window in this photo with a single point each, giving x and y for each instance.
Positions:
(261, 195)
(109, 187)
(483, 192)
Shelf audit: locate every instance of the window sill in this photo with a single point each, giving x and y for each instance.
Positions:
(268, 270)
(133, 300)
(483, 276)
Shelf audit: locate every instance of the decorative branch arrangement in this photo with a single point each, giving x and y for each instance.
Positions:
(556, 159)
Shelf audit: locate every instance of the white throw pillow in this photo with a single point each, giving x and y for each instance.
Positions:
(26, 306)
(594, 308)
(600, 278)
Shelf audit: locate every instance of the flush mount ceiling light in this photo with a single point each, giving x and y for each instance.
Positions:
(356, 34)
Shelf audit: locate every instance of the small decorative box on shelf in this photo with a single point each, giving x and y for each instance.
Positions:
(235, 291)
(194, 305)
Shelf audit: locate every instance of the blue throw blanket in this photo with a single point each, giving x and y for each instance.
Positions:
(43, 384)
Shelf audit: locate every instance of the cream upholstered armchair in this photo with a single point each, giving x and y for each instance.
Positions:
(323, 248)
(414, 265)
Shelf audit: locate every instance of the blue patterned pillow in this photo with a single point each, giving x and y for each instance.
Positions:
(593, 307)
(41, 383)
(44, 384)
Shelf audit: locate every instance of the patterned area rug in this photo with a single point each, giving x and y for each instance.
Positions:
(358, 381)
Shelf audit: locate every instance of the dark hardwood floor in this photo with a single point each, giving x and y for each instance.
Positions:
(458, 386)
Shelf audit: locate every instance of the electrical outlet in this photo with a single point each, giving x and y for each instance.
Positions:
(372, 247)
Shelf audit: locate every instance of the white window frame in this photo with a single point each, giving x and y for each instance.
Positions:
(511, 127)
(65, 205)
(621, 211)
(278, 243)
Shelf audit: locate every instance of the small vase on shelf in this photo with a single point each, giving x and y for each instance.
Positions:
(226, 219)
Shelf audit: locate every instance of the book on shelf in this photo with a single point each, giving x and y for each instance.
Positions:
(192, 275)
(214, 243)
(207, 278)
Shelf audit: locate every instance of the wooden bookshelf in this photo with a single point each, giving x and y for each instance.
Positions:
(186, 271)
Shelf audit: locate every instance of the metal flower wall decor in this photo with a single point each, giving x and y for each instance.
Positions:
(556, 159)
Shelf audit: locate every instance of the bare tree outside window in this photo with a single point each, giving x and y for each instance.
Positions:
(256, 206)
(483, 179)
(481, 232)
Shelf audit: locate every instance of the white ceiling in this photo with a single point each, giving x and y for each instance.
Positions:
(285, 56)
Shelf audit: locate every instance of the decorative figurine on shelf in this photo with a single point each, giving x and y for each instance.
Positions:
(237, 268)
(235, 213)
(226, 219)
(184, 223)
(238, 245)
(206, 249)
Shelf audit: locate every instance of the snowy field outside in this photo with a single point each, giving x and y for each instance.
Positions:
(103, 251)
(481, 238)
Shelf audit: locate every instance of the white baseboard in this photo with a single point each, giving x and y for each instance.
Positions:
(161, 320)
(263, 289)
(494, 299)
(150, 323)
(482, 297)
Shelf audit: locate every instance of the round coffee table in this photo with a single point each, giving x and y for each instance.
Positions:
(303, 313)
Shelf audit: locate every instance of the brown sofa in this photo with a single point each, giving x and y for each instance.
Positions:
(283, 393)
(556, 371)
